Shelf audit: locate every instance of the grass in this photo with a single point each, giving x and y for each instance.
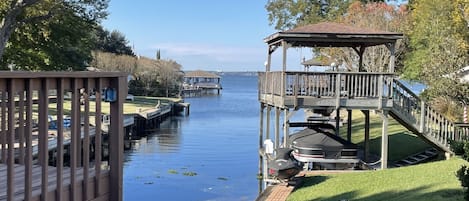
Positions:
(426, 182)
(129, 106)
(402, 142)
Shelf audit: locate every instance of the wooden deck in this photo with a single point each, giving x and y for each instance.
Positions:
(357, 90)
(19, 184)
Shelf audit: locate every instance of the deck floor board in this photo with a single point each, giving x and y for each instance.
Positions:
(36, 180)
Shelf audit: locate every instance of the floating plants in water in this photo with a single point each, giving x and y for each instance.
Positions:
(173, 171)
(190, 174)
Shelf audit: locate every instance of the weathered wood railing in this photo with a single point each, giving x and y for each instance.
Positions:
(326, 84)
(462, 131)
(423, 119)
(77, 174)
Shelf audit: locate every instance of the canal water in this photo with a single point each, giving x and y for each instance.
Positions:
(210, 155)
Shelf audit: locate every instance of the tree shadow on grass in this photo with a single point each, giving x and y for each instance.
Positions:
(313, 180)
(416, 194)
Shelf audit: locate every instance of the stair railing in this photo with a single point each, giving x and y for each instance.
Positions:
(422, 117)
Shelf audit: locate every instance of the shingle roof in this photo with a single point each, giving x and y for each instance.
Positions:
(330, 34)
(200, 73)
(335, 28)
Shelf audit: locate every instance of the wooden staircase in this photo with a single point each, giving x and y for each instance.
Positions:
(421, 157)
(418, 117)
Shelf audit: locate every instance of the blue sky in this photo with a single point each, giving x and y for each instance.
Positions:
(199, 34)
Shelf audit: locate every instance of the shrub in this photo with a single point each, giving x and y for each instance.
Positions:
(457, 147)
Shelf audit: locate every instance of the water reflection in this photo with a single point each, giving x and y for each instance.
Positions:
(209, 155)
(167, 138)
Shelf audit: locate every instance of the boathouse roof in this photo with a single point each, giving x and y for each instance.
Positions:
(316, 62)
(331, 34)
(200, 73)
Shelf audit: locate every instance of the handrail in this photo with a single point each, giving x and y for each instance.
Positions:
(422, 117)
(18, 142)
(326, 84)
(462, 131)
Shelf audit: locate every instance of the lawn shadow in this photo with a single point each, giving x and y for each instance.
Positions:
(311, 181)
(420, 193)
(400, 145)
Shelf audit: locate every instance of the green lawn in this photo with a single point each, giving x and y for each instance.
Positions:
(426, 182)
(402, 142)
(129, 106)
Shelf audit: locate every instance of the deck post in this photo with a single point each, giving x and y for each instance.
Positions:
(422, 117)
(277, 127)
(349, 125)
(116, 139)
(337, 121)
(285, 128)
(384, 140)
(367, 135)
(261, 142)
(284, 69)
(267, 129)
(43, 137)
(10, 161)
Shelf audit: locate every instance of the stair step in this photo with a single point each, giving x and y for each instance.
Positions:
(417, 159)
(408, 162)
(431, 151)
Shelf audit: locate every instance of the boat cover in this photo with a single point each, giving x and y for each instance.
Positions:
(320, 138)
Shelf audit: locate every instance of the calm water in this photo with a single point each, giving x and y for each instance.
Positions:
(218, 142)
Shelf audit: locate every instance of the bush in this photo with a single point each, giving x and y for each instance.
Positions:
(463, 172)
(457, 147)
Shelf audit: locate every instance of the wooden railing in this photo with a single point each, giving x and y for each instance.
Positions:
(423, 119)
(462, 131)
(69, 159)
(326, 84)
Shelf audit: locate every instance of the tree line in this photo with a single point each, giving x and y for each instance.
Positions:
(435, 44)
(66, 35)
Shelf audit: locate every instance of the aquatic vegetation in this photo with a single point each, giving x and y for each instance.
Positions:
(190, 174)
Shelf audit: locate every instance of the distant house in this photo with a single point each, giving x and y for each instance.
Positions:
(201, 81)
(326, 64)
(463, 74)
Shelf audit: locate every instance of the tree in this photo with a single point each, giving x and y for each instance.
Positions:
(28, 18)
(112, 42)
(158, 54)
(62, 43)
(287, 14)
(170, 76)
(376, 16)
(439, 46)
(106, 61)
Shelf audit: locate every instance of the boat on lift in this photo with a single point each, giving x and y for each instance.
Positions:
(318, 144)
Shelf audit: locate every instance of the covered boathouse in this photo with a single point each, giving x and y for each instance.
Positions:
(200, 82)
(285, 92)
